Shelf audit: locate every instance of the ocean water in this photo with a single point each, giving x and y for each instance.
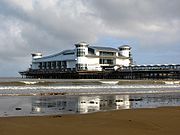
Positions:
(31, 97)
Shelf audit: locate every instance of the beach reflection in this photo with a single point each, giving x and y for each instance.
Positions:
(79, 104)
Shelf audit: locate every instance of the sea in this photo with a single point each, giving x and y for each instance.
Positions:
(39, 97)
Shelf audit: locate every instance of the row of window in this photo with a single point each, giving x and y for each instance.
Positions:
(63, 64)
(53, 65)
(69, 53)
(81, 66)
(81, 52)
(154, 67)
(121, 49)
(78, 45)
(107, 53)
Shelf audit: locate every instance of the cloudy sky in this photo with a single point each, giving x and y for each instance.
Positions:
(151, 27)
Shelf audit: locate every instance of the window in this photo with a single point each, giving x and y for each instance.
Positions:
(80, 52)
(69, 53)
(91, 51)
(107, 53)
(54, 64)
(40, 65)
(78, 45)
(45, 65)
(59, 64)
(81, 66)
(106, 61)
(121, 49)
(64, 64)
(49, 65)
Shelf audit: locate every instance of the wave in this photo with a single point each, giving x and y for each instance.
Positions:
(29, 82)
(88, 87)
(51, 82)
(172, 82)
(47, 93)
(46, 83)
(109, 82)
(41, 87)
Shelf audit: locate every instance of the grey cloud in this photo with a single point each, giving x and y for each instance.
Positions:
(140, 19)
(153, 24)
(44, 30)
(146, 10)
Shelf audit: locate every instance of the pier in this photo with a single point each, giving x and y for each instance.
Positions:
(171, 71)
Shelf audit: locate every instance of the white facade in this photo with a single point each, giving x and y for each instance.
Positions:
(84, 57)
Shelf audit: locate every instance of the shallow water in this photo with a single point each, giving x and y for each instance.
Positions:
(58, 105)
(14, 87)
(31, 97)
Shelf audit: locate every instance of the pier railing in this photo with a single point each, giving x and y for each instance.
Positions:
(150, 67)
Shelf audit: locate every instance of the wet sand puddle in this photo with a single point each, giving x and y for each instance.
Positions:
(80, 104)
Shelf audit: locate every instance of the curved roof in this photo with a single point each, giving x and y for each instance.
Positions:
(82, 43)
(57, 54)
(125, 46)
(104, 48)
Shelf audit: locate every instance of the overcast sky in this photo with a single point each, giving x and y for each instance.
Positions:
(151, 27)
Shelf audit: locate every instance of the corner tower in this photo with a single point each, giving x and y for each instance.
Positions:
(125, 50)
(81, 52)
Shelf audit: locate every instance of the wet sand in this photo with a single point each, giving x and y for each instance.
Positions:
(160, 121)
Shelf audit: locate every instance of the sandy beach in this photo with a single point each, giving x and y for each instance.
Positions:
(159, 121)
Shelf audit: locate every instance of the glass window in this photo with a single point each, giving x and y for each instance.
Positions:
(70, 53)
(54, 65)
(64, 64)
(106, 61)
(59, 64)
(107, 53)
(45, 65)
(49, 65)
(80, 52)
(91, 51)
(121, 49)
(81, 66)
(40, 65)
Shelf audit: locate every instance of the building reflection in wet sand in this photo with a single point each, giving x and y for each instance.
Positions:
(79, 104)
(55, 105)
(87, 104)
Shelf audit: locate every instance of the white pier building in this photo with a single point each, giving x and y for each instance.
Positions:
(84, 58)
